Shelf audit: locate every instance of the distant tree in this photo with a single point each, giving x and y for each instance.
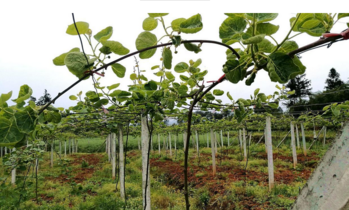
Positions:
(44, 99)
(302, 88)
(333, 81)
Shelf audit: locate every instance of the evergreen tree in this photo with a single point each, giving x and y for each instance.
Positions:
(333, 81)
(302, 88)
(44, 99)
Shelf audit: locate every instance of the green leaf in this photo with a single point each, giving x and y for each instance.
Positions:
(83, 28)
(256, 92)
(342, 15)
(197, 63)
(73, 98)
(169, 76)
(233, 71)
(282, 67)
(167, 58)
(192, 47)
(176, 23)
(265, 46)
(218, 92)
(159, 73)
(104, 34)
(273, 105)
(184, 78)
(254, 40)
(144, 40)
(250, 79)
(115, 47)
(111, 87)
(24, 93)
(291, 92)
(151, 85)
(133, 76)
(150, 24)
(229, 96)
(209, 96)
(9, 132)
(59, 60)
(262, 17)
(191, 25)
(181, 67)
(5, 97)
(264, 28)
(288, 46)
(77, 64)
(25, 120)
(142, 77)
(119, 70)
(157, 14)
(182, 90)
(232, 29)
(105, 50)
(262, 97)
(155, 67)
(170, 104)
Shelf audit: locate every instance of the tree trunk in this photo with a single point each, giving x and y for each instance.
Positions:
(60, 147)
(269, 145)
(145, 162)
(303, 140)
(76, 145)
(213, 154)
(228, 140)
(293, 144)
(184, 140)
(121, 163)
(65, 148)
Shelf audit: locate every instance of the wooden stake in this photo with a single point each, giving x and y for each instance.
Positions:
(269, 145)
(303, 140)
(213, 154)
(293, 145)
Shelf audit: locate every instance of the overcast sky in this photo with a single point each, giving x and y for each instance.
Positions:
(33, 33)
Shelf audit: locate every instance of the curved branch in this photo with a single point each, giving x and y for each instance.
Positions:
(129, 55)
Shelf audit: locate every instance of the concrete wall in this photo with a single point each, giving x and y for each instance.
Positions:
(328, 186)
